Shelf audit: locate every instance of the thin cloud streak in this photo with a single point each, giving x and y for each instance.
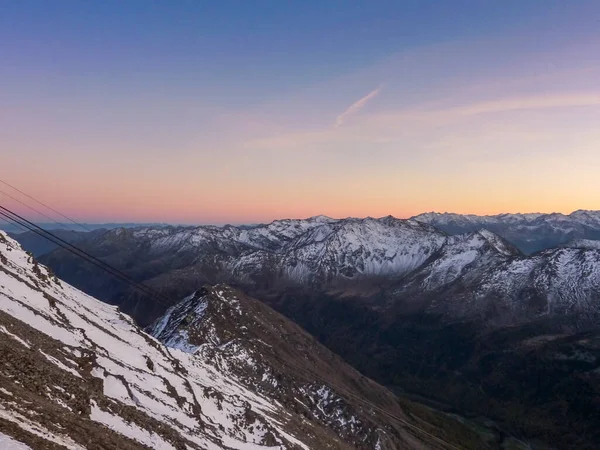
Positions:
(385, 127)
(539, 102)
(356, 106)
(438, 116)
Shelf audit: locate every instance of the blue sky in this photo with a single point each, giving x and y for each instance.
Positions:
(226, 47)
(299, 108)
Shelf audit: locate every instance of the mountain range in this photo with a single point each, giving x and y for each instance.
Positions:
(494, 318)
(223, 371)
(529, 232)
(391, 264)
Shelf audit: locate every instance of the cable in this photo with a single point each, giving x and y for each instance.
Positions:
(44, 205)
(15, 218)
(35, 210)
(143, 288)
(156, 293)
(13, 224)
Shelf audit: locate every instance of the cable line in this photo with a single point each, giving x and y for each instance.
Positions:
(36, 210)
(16, 218)
(44, 205)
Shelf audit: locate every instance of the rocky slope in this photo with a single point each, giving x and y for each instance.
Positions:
(276, 358)
(76, 373)
(529, 232)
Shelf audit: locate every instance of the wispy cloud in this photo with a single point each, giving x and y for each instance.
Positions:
(566, 100)
(356, 106)
(433, 116)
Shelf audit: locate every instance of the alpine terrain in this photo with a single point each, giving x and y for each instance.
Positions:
(466, 322)
(223, 371)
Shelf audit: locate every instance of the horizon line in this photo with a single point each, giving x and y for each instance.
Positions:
(324, 216)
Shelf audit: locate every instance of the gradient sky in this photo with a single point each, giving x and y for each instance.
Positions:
(247, 111)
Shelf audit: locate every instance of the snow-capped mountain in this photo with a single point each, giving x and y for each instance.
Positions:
(529, 232)
(480, 276)
(318, 251)
(346, 249)
(464, 276)
(76, 373)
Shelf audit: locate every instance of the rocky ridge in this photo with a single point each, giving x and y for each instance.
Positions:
(272, 356)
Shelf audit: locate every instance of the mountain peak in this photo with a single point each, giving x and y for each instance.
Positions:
(321, 219)
(498, 243)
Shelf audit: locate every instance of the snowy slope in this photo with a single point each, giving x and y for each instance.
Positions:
(459, 255)
(480, 276)
(101, 377)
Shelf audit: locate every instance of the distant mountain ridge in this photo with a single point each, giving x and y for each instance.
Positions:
(529, 232)
(77, 226)
(384, 260)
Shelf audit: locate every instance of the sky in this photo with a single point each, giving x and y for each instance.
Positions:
(242, 112)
